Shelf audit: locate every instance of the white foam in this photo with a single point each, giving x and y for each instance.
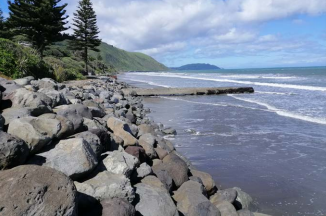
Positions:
(284, 113)
(150, 83)
(257, 77)
(278, 85)
(274, 93)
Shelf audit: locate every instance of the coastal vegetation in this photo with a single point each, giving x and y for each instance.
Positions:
(33, 42)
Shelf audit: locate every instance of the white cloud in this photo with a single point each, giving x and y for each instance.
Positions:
(166, 27)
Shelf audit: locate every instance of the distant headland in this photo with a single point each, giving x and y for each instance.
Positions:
(198, 66)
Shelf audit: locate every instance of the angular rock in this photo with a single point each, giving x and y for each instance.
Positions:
(93, 140)
(226, 209)
(77, 121)
(120, 163)
(147, 141)
(36, 132)
(122, 130)
(107, 185)
(93, 124)
(117, 207)
(161, 153)
(24, 98)
(7, 87)
(144, 129)
(104, 138)
(153, 181)
(116, 142)
(243, 200)
(13, 151)
(77, 109)
(57, 97)
(73, 157)
(24, 81)
(46, 83)
(163, 175)
(176, 168)
(189, 188)
(154, 201)
(11, 114)
(191, 200)
(34, 190)
(143, 170)
(207, 180)
(169, 131)
(228, 195)
(67, 127)
(137, 152)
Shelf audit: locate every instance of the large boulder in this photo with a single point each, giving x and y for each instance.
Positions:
(161, 171)
(24, 98)
(145, 128)
(36, 132)
(34, 190)
(189, 188)
(24, 81)
(93, 140)
(243, 200)
(73, 157)
(57, 97)
(13, 151)
(11, 114)
(67, 127)
(176, 168)
(7, 87)
(228, 195)
(122, 130)
(45, 83)
(154, 201)
(117, 207)
(153, 181)
(191, 200)
(107, 185)
(245, 212)
(77, 120)
(78, 109)
(207, 180)
(226, 209)
(137, 152)
(120, 163)
(147, 141)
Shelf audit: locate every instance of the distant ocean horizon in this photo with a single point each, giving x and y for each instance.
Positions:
(271, 143)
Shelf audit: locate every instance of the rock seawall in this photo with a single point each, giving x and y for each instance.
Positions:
(86, 148)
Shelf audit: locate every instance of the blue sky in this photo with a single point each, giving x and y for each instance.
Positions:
(229, 33)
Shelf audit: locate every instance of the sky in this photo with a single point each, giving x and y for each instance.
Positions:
(226, 33)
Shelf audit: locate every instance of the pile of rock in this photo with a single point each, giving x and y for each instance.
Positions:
(83, 148)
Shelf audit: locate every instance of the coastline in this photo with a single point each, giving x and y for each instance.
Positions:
(110, 134)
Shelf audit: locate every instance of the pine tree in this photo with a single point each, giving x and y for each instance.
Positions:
(2, 25)
(86, 30)
(41, 21)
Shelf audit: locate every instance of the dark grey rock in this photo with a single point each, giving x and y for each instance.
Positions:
(73, 157)
(78, 109)
(176, 168)
(34, 190)
(93, 140)
(117, 207)
(154, 201)
(13, 151)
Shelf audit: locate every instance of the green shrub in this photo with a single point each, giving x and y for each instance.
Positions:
(18, 61)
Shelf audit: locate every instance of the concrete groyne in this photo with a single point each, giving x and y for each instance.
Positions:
(186, 91)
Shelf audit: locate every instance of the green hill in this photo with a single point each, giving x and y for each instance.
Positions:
(198, 66)
(128, 61)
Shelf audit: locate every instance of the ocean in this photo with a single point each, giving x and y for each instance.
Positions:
(272, 143)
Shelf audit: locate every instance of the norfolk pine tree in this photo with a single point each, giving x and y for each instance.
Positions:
(41, 21)
(86, 30)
